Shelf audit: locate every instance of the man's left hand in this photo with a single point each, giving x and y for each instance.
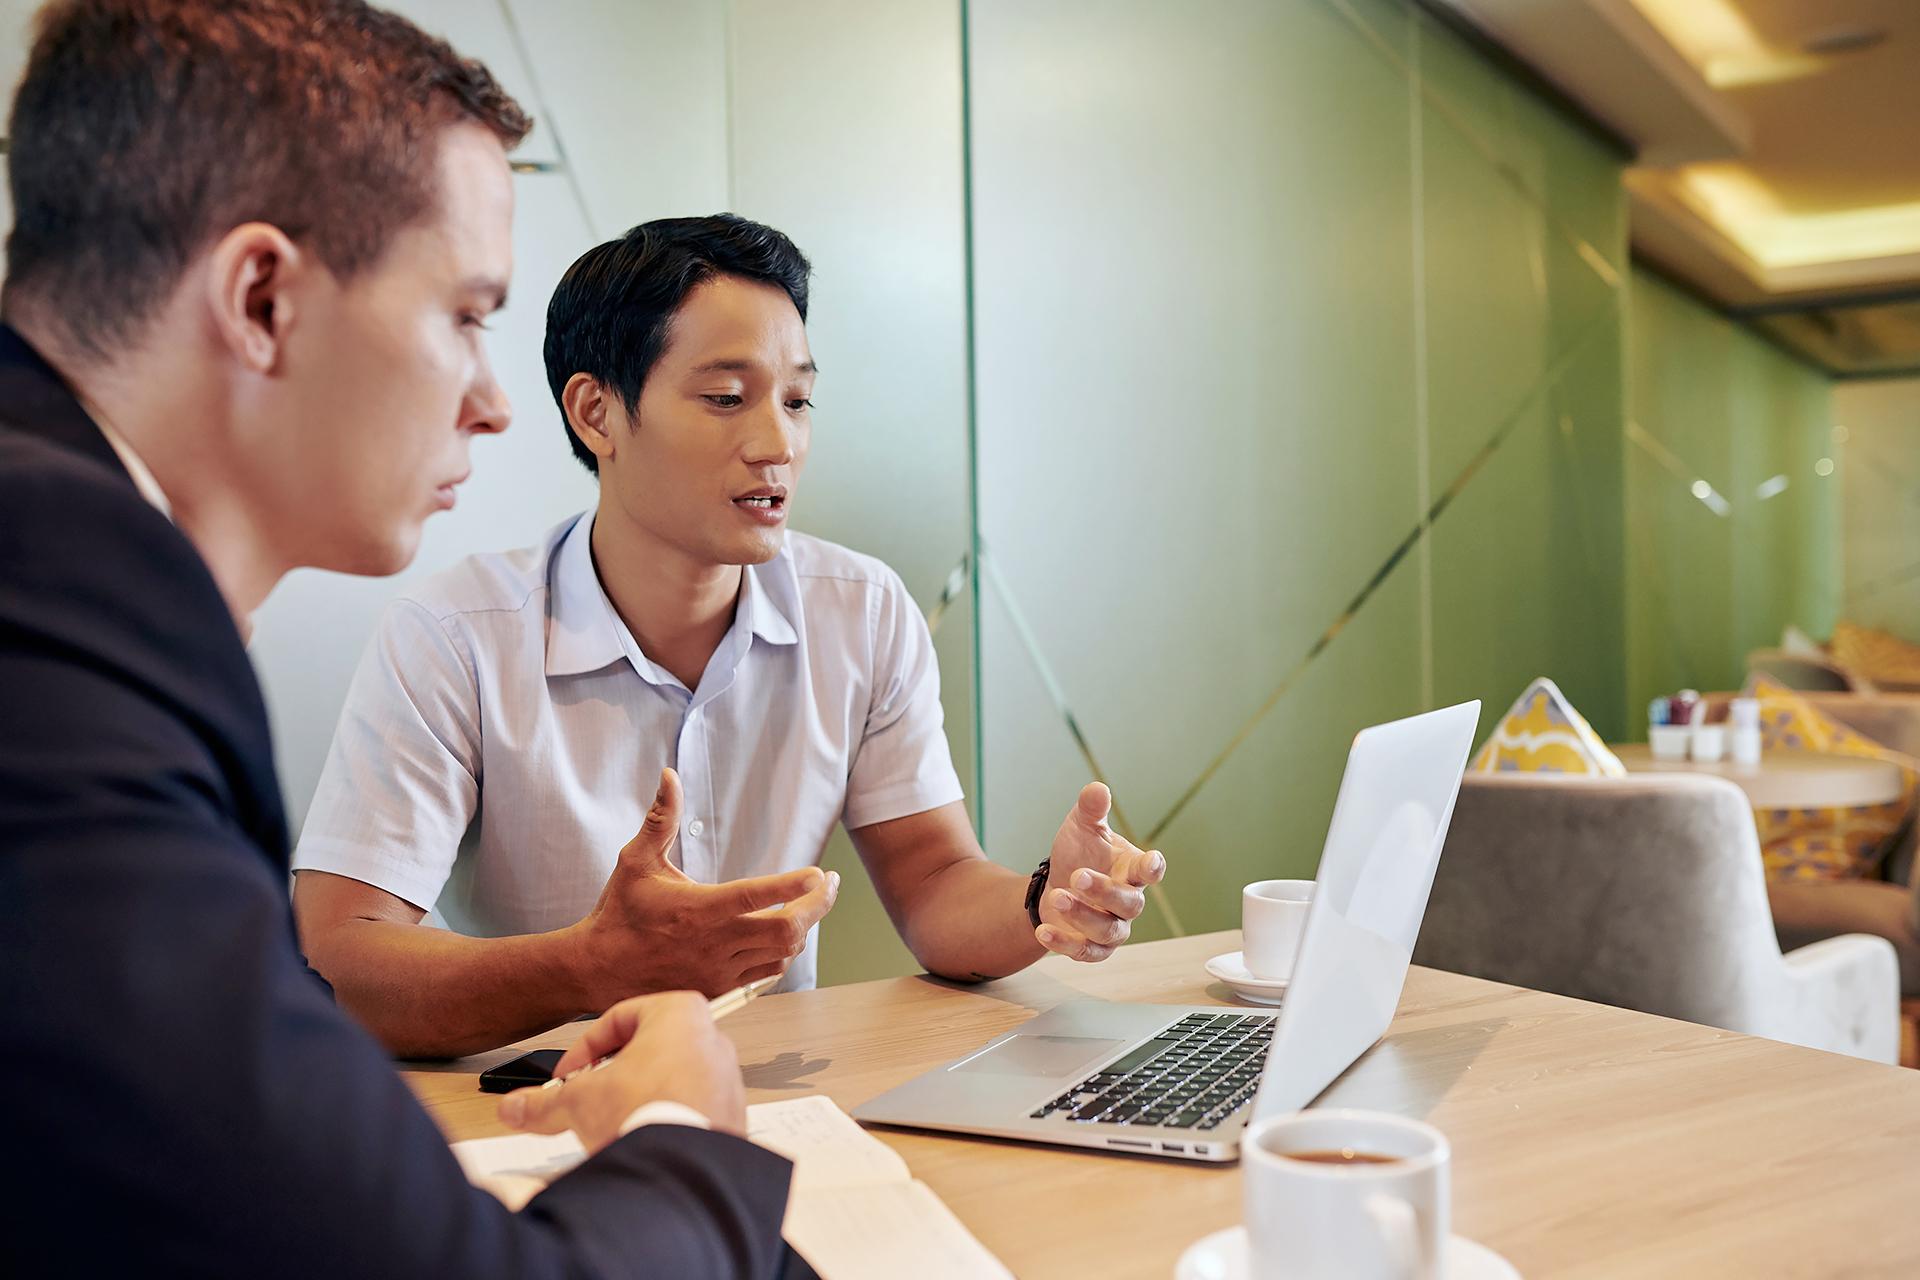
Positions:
(1097, 884)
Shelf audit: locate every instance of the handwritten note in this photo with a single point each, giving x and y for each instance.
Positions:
(827, 1148)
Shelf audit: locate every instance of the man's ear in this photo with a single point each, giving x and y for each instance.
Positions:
(592, 413)
(250, 271)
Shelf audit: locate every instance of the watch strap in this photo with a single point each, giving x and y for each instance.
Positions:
(1037, 886)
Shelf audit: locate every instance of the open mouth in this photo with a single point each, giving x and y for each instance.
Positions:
(767, 504)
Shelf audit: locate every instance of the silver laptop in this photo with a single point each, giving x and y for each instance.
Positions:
(1183, 1082)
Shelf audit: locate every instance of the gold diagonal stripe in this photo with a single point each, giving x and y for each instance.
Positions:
(1380, 575)
(564, 166)
(1592, 256)
(953, 589)
(1659, 452)
(991, 576)
(1650, 444)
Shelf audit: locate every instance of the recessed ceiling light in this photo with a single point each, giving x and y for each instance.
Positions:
(1734, 199)
(1715, 36)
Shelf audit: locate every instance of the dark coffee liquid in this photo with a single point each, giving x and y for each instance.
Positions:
(1341, 1155)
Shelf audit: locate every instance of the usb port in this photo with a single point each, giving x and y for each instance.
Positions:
(1173, 1146)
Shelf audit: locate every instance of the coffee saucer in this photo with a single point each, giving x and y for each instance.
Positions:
(1223, 1256)
(1231, 969)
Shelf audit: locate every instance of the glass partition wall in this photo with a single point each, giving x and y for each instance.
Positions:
(1299, 340)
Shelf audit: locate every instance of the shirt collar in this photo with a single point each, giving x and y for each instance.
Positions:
(585, 633)
(137, 468)
(758, 604)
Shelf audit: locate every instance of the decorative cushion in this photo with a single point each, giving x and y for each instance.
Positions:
(1880, 656)
(1825, 844)
(1542, 733)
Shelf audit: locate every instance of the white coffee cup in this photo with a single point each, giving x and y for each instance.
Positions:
(1709, 742)
(1273, 914)
(1669, 741)
(1367, 1220)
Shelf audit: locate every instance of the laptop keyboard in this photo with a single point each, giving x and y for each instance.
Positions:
(1193, 1075)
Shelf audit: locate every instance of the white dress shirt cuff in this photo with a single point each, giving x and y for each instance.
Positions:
(663, 1113)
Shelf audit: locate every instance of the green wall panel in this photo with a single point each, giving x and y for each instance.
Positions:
(1722, 571)
(1524, 245)
(1194, 314)
(1250, 294)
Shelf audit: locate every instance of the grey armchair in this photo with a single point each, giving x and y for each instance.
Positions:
(1803, 671)
(1888, 906)
(1890, 719)
(1647, 893)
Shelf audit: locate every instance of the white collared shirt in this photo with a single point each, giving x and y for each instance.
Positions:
(504, 734)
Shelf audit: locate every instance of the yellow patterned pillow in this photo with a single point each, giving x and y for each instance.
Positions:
(1880, 656)
(1542, 733)
(1825, 844)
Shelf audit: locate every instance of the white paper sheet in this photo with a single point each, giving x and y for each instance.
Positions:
(884, 1232)
(855, 1212)
(828, 1149)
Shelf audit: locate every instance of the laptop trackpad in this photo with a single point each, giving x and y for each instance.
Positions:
(1041, 1056)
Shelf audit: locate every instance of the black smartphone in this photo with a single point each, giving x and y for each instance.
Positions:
(529, 1068)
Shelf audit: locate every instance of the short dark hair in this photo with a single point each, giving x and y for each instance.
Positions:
(613, 310)
(145, 129)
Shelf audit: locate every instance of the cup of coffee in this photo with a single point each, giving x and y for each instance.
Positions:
(1273, 914)
(1346, 1195)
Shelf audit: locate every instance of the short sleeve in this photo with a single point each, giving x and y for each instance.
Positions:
(402, 778)
(902, 765)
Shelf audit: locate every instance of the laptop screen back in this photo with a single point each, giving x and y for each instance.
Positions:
(1376, 871)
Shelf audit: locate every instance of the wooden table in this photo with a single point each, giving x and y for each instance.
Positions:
(1588, 1141)
(1788, 779)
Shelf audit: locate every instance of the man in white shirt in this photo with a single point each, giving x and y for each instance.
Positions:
(513, 719)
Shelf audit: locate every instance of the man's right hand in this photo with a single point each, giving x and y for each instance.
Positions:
(657, 929)
(662, 1048)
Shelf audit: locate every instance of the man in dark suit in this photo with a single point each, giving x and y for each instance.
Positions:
(254, 244)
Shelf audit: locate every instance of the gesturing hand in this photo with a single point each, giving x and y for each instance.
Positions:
(1097, 884)
(657, 929)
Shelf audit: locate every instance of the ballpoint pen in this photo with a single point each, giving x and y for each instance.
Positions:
(720, 1006)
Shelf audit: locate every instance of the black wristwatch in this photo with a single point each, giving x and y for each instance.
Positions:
(1036, 887)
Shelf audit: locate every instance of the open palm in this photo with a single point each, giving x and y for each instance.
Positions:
(1097, 885)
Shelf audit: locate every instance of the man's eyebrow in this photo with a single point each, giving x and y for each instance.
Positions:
(747, 366)
(494, 288)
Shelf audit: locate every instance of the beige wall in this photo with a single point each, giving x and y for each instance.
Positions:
(1879, 473)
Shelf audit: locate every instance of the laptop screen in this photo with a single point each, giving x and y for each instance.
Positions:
(1376, 871)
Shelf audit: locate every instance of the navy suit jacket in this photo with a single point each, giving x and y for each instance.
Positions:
(179, 1094)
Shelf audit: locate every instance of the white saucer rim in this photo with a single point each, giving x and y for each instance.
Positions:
(1215, 1239)
(1243, 978)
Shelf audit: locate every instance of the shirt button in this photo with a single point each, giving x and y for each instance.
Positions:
(695, 827)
